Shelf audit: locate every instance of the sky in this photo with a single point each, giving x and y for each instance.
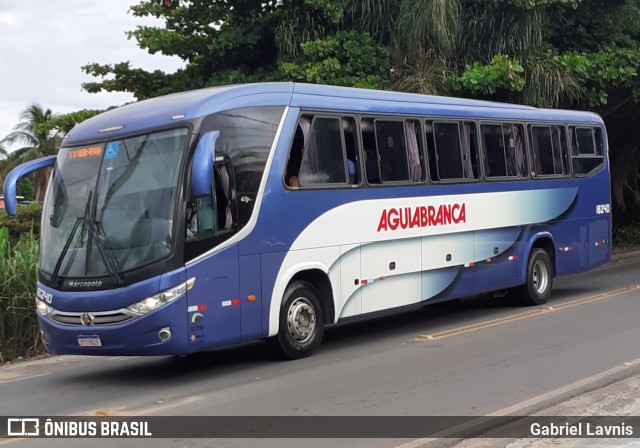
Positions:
(43, 44)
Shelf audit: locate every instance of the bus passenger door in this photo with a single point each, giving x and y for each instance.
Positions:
(214, 301)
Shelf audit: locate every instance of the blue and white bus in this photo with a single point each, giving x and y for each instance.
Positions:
(218, 216)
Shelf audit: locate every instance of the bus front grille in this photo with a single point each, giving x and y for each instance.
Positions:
(92, 319)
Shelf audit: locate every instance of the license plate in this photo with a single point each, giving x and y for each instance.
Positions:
(89, 341)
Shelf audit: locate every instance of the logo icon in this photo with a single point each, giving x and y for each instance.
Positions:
(112, 150)
(29, 427)
(86, 319)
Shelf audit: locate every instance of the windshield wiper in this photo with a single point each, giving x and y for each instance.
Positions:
(96, 235)
(99, 237)
(67, 244)
(65, 249)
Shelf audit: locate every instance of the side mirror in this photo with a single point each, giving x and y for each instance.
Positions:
(11, 181)
(203, 161)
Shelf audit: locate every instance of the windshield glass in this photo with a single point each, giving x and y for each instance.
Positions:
(110, 207)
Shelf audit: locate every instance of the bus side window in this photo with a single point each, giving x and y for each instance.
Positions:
(549, 149)
(241, 153)
(431, 151)
(323, 160)
(542, 149)
(519, 151)
(414, 146)
(351, 148)
(200, 218)
(295, 155)
(503, 150)
(469, 149)
(392, 150)
(586, 149)
(372, 167)
(453, 151)
(213, 214)
(493, 150)
(450, 162)
(560, 159)
(224, 195)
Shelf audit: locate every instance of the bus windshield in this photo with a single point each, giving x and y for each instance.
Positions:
(110, 206)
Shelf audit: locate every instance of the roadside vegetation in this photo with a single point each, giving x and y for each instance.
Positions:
(19, 333)
(625, 234)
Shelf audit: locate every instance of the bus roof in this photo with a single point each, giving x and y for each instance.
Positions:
(174, 108)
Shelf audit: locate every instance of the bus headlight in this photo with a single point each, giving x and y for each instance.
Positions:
(156, 301)
(43, 307)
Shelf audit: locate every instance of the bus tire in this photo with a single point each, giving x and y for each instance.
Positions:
(301, 321)
(539, 282)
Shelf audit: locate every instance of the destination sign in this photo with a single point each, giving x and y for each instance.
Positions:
(85, 152)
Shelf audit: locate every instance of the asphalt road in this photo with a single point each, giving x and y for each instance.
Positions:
(478, 356)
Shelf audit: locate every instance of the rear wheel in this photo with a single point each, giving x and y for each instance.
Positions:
(537, 288)
(301, 321)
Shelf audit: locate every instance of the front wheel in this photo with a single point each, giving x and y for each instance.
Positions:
(537, 288)
(301, 321)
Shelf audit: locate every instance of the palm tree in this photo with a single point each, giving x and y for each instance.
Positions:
(37, 139)
(433, 39)
(3, 164)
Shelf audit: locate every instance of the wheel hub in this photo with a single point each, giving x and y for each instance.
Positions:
(301, 320)
(540, 277)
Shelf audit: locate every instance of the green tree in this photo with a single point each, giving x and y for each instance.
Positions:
(35, 138)
(344, 59)
(25, 189)
(40, 134)
(240, 41)
(581, 54)
(63, 123)
(220, 42)
(3, 163)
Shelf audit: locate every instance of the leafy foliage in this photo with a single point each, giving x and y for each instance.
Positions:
(36, 139)
(4, 241)
(220, 41)
(580, 54)
(25, 189)
(63, 123)
(344, 59)
(529, 4)
(26, 221)
(503, 73)
(19, 332)
(427, 74)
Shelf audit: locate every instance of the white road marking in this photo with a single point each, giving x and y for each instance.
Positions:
(25, 378)
(513, 410)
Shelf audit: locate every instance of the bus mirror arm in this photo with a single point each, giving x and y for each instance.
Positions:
(11, 181)
(203, 161)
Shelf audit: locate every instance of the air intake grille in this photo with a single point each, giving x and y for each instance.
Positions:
(95, 319)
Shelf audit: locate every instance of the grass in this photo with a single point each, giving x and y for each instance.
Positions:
(19, 333)
(626, 237)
